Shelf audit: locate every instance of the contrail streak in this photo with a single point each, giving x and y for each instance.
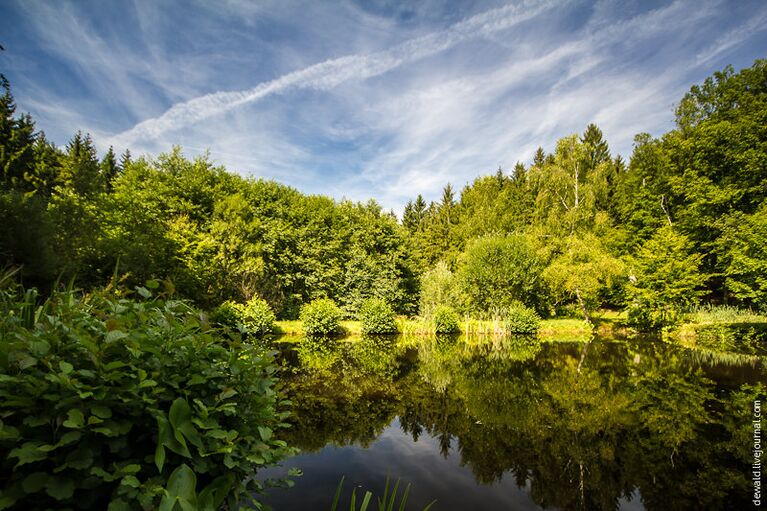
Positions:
(331, 73)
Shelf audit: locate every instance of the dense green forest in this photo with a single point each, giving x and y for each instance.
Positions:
(683, 221)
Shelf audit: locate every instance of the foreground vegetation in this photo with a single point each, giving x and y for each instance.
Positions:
(126, 402)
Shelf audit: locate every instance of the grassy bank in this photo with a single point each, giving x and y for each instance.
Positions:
(550, 328)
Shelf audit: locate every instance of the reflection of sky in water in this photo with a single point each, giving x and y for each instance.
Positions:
(394, 453)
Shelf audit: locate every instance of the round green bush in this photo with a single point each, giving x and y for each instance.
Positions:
(521, 319)
(228, 314)
(377, 317)
(114, 403)
(446, 320)
(257, 317)
(321, 317)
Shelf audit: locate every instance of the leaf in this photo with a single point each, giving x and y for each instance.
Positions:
(133, 468)
(130, 481)
(114, 336)
(159, 456)
(266, 433)
(75, 419)
(101, 411)
(152, 284)
(165, 438)
(35, 482)
(39, 348)
(144, 292)
(226, 394)
(65, 367)
(181, 488)
(180, 416)
(60, 488)
(213, 495)
(80, 459)
(29, 452)
(118, 505)
(26, 361)
(8, 432)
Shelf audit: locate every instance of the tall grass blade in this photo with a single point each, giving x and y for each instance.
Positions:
(338, 494)
(366, 501)
(393, 496)
(404, 498)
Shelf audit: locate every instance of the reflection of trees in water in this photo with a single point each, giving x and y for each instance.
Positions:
(582, 424)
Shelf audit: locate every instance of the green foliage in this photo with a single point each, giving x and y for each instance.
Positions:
(110, 402)
(257, 317)
(585, 271)
(377, 317)
(742, 250)
(666, 280)
(385, 503)
(495, 272)
(26, 233)
(438, 287)
(519, 319)
(446, 320)
(228, 314)
(321, 317)
(723, 314)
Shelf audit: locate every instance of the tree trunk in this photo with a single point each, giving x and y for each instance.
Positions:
(583, 306)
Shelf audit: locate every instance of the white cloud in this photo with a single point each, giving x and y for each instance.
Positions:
(331, 73)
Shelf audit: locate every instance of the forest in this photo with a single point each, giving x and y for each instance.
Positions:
(683, 221)
(137, 295)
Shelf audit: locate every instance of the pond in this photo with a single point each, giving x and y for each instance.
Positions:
(513, 423)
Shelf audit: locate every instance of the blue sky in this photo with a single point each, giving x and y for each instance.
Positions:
(365, 99)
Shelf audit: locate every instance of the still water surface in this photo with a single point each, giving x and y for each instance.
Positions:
(510, 423)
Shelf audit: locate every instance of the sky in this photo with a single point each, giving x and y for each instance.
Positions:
(365, 99)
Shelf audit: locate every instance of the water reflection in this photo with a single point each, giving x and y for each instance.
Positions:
(509, 423)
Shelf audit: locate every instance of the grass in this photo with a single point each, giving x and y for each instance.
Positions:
(723, 314)
(420, 326)
(385, 503)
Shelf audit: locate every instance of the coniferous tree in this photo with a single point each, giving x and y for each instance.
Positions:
(17, 139)
(109, 168)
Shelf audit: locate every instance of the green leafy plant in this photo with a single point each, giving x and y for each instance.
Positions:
(321, 317)
(377, 317)
(446, 320)
(109, 402)
(385, 503)
(520, 319)
(257, 317)
(228, 314)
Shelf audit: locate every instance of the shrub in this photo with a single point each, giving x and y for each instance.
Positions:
(446, 320)
(644, 318)
(520, 319)
(110, 402)
(497, 271)
(377, 317)
(257, 317)
(438, 287)
(228, 314)
(321, 317)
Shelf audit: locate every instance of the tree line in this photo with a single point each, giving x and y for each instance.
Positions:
(684, 220)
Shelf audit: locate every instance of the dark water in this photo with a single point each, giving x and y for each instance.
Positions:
(489, 424)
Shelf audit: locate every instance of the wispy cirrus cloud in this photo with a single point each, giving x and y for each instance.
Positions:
(331, 73)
